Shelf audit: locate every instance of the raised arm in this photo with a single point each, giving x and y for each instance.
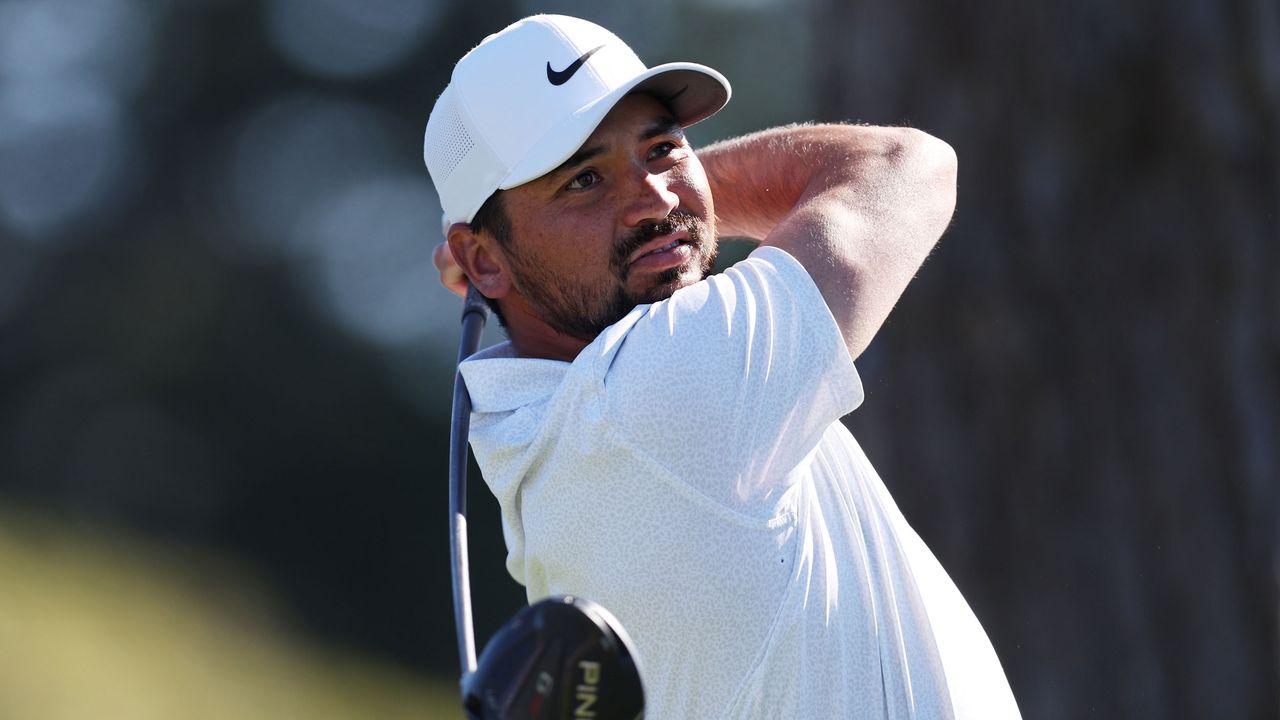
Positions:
(859, 207)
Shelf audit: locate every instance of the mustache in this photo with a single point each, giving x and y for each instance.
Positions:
(678, 220)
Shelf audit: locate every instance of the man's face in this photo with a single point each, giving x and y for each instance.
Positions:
(627, 220)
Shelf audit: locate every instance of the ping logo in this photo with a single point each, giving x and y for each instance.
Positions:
(588, 691)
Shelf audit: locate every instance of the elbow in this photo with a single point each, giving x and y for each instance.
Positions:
(941, 167)
(934, 150)
(929, 166)
(906, 158)
(900, 179)
(930, 160)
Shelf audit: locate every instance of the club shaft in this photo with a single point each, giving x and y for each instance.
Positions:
(474, 314)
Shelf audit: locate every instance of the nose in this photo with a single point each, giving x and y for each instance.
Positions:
(653, 198)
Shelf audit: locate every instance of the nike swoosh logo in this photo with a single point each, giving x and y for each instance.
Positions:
(560, 77)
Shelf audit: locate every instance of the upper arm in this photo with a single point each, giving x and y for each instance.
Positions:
(859, 207)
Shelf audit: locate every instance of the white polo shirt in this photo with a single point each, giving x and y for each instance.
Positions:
(689, 472)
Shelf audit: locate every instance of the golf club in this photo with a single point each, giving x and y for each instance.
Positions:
(560, 658)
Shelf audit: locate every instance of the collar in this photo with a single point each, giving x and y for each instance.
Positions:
(499, 380)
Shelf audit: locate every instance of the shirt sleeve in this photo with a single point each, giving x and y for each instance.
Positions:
(731, 382)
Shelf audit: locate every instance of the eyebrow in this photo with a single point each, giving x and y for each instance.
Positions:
(661, 126)
(579, 157)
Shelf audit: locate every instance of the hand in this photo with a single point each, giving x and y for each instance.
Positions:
(451, 275)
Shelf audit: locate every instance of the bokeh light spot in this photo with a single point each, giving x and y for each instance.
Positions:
(106, 41)
(291, 158)
(348, 38)
(373, 265)
(63, 151)
(66, 150)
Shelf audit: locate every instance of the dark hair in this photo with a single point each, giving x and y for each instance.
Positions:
(492, 218)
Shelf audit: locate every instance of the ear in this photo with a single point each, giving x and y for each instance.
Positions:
(481, 259)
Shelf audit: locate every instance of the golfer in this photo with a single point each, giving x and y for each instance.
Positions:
(667, 443)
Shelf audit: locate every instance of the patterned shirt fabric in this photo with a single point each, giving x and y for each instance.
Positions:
(689, 472)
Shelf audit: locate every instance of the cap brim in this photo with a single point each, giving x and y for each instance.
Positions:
(693, 92)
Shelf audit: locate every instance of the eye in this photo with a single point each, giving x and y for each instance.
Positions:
(662, 150)
(583, 180)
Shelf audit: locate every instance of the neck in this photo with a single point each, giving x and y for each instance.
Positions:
(532, 337)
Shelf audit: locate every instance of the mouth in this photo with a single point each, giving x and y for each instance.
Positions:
(658, 248)
(663, 253)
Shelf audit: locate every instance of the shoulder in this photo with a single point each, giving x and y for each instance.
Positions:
(765, 305)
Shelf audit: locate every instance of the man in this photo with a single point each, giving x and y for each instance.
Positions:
(666, 443)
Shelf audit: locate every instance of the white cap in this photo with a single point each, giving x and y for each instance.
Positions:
(525, 99)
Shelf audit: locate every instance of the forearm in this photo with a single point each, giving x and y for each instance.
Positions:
(859, 207)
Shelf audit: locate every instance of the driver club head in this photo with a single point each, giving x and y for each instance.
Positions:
(560, 658)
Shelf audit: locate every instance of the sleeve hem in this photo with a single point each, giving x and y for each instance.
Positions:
(800, 281)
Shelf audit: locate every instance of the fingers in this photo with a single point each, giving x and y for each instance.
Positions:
(451, 275)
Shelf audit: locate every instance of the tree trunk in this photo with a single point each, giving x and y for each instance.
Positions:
(1077, 404)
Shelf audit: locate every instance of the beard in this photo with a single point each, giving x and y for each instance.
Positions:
(582, 308)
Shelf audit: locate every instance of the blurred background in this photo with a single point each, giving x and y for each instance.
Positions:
(225, 359)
